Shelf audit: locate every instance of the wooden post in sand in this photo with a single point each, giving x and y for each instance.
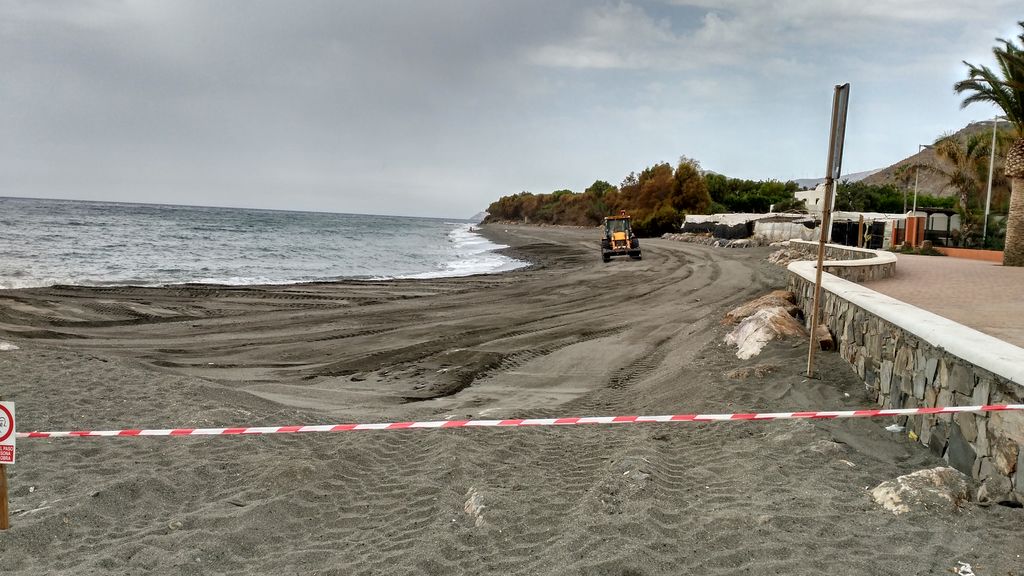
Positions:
(5, 518)
(840, 100)
(860, 232)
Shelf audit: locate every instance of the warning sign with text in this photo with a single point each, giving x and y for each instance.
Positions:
(7, 432)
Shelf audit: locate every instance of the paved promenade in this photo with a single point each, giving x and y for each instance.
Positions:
(985, 296)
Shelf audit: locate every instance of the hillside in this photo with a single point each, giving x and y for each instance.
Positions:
(902, 173)
(810, 183)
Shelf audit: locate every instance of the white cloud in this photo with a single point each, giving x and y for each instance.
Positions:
(626, 36)
(748, 33)
(612, 36)
(806, 13)
(439, 107)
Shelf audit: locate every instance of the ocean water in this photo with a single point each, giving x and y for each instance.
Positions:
(46, 242)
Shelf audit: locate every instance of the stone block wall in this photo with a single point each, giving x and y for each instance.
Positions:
(910, 358)
(854, 264)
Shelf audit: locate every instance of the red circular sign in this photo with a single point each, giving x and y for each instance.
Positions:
(10, 422)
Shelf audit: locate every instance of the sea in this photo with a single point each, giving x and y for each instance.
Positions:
(47, 242)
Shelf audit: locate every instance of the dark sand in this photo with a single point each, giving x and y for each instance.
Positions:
(569, 337)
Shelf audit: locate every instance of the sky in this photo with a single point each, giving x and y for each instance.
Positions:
(438, 108)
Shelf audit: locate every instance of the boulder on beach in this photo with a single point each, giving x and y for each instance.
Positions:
(474, 507)
(940, 488)
(824, 338)
(772, 316)
(997, 490)
(765, 325)
(777, 298)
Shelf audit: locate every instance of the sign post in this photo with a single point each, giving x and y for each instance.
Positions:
(7, 437)
(840, 101)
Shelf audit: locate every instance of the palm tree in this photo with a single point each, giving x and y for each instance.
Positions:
(963, 164)
(1005, 89)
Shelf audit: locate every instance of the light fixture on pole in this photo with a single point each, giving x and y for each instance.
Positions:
(991, 165)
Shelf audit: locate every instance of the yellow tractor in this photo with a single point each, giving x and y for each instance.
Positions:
(619, 239)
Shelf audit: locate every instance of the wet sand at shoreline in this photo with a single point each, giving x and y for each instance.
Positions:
(570, 336)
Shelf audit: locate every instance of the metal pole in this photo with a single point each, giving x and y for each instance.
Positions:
(913, 214)
(917, 174)
(988, 196)
(5, 518)
(837, 133)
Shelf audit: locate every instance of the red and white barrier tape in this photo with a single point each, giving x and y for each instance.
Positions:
(527, 422)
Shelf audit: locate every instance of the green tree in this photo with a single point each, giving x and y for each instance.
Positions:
(885, 198)
(690, 192)
(1005, 89)
(717, 186)
(657, 184)
(599, 195)
(662, 220)
(599, 188)
(736, 195)
(860, 197)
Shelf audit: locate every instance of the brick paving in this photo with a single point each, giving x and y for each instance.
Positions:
(985, 296)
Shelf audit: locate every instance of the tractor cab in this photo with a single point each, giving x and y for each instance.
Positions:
(619, 239)
(618, 226)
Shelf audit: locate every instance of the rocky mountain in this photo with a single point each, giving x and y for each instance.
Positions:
(903, 173)
(809, 183)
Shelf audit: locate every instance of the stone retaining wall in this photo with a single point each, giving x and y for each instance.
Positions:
(911, 358)
(854, 264)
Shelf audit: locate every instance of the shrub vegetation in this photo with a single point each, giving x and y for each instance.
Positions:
(658, 198)
(886, 198)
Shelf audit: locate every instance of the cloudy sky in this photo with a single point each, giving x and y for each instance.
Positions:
(437, 108)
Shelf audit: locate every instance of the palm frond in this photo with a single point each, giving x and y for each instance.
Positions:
(1003, 87)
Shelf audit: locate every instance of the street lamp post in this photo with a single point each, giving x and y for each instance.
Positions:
(991, 166)
(917, 172)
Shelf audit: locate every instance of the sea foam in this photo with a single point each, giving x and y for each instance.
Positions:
(48, 242)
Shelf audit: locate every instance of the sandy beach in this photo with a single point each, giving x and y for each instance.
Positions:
(569, 336)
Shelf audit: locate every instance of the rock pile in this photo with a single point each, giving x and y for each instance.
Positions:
(787, 254)
(709, 240)
(935, 488)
